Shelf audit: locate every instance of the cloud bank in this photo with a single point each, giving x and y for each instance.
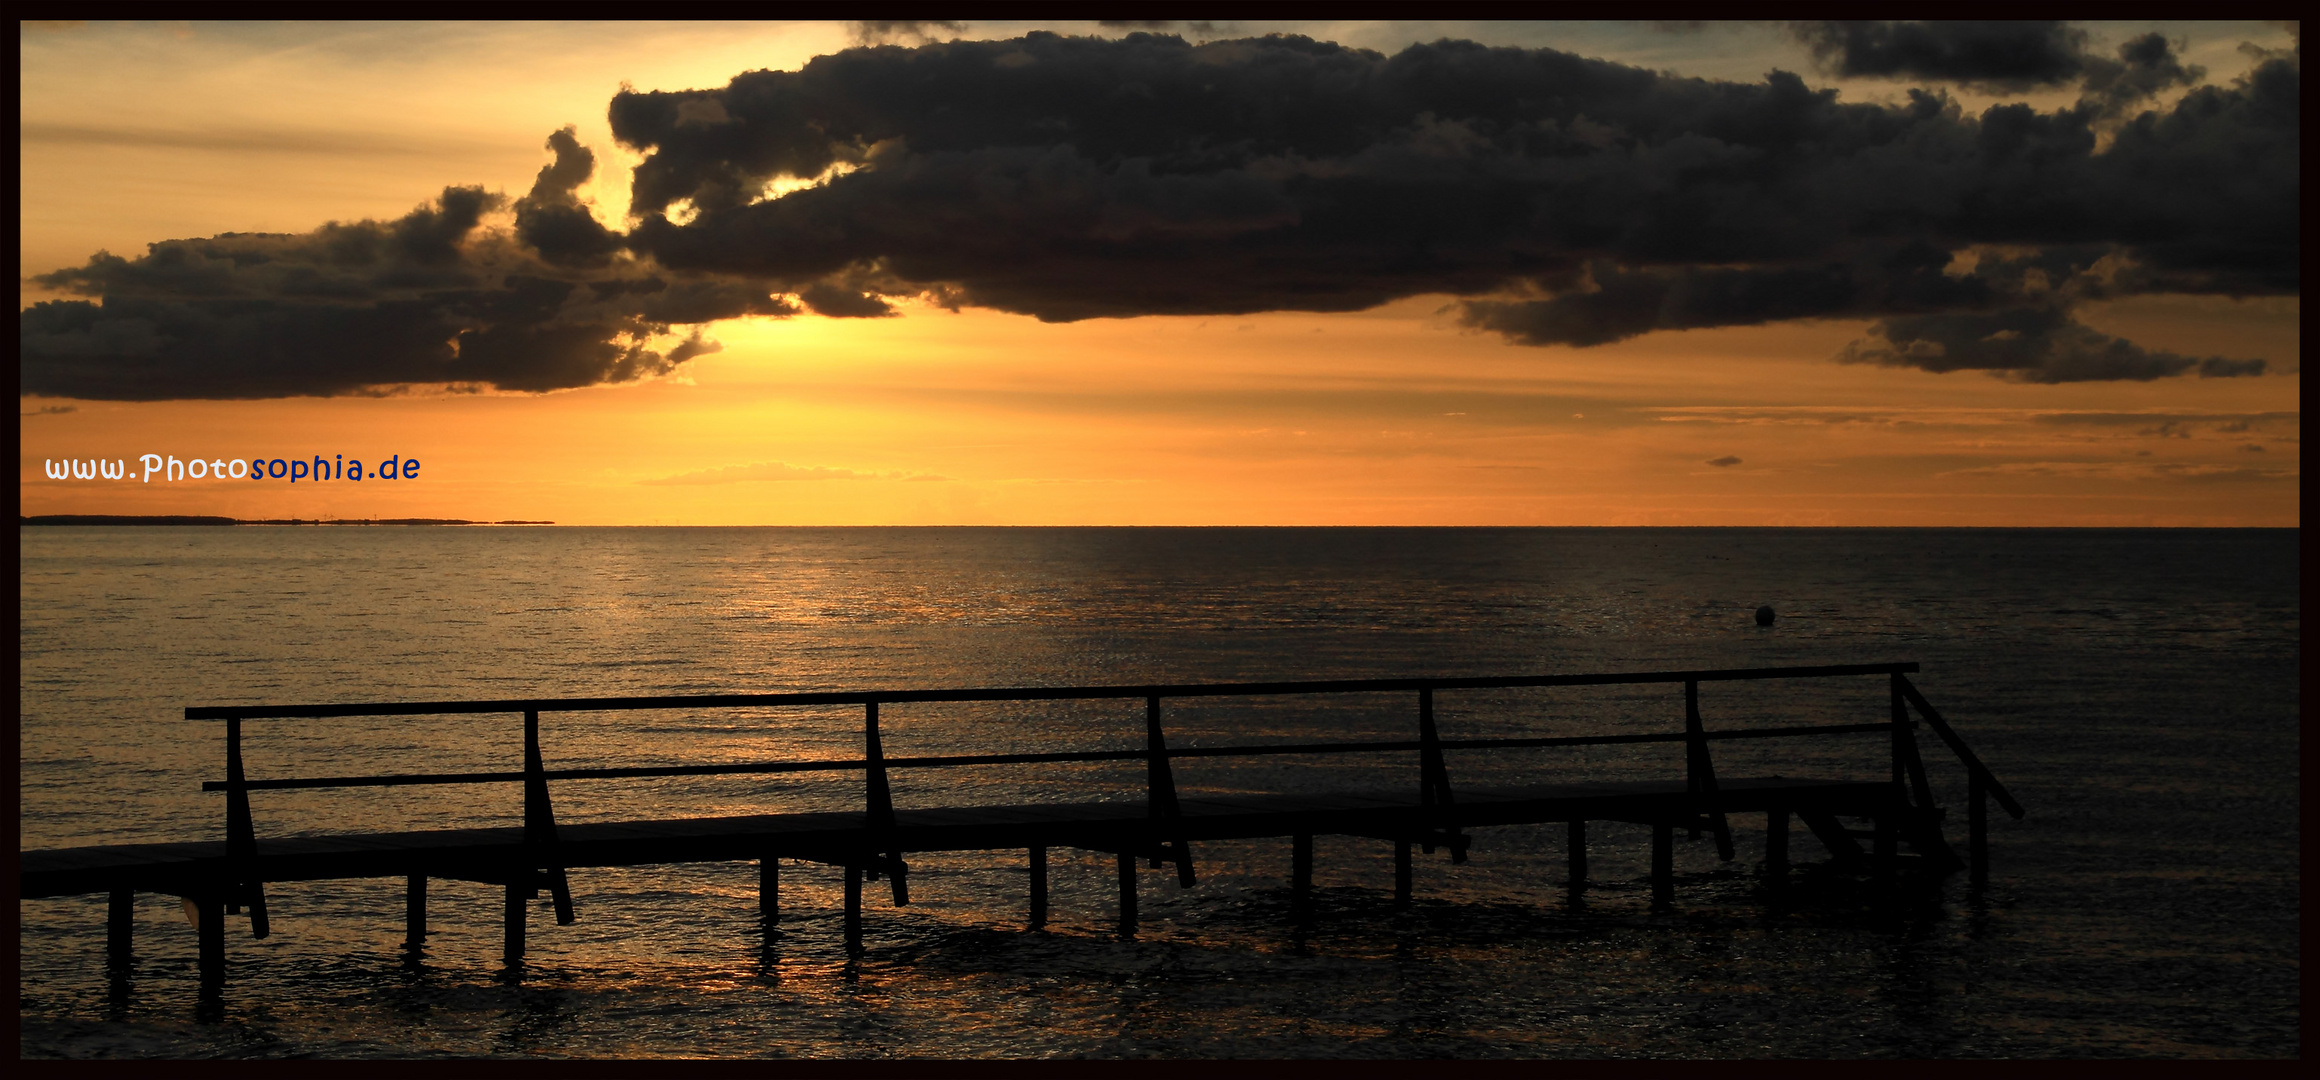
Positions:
(1565, 201)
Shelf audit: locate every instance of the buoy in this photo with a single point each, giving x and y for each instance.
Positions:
(1764, 615)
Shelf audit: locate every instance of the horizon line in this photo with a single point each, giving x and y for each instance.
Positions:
(215, 521)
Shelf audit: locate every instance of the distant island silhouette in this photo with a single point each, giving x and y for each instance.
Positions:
(195, 519)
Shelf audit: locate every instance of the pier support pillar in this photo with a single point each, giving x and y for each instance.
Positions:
(853, 911)
(769, 889)
(1577, 842)
(1887, 846)
(210, 916)
(1301, 871)
(1402, 873)
(512, 939)
(1776, 851)
(1039, 888)
(1127, 893)
(1977, 831)
(1663, 865)
(415, 912)
(120, 925)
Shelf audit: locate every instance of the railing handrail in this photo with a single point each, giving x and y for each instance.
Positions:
(958, 760)
(1026, 693)
(1436, 794)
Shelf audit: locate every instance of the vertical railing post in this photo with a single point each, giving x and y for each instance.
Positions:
(1921, 825)
(1905, 740)
(1900, 732)
(1692, 749)
(1160, 783)
(241, 838)
(1919, 821)
(885, 857)
(540, 824)
(1434, 793)
(1700, 772)
(1426, 813)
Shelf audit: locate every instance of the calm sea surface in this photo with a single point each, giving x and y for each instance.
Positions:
(2137, 690)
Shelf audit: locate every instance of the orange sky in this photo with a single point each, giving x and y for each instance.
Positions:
(1391, 416)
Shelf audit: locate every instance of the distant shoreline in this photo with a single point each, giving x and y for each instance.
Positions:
(195, 519)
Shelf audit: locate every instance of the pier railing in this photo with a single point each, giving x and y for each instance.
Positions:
(1435, 791)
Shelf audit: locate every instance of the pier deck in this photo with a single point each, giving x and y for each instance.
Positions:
(842, 837)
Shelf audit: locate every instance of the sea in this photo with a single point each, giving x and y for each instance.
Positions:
(2137, 691)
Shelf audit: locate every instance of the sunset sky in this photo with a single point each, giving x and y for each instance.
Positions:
(1519, 274)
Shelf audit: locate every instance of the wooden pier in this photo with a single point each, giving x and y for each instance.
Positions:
(227, 877)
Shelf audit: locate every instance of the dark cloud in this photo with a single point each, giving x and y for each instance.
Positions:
(354, 308)
(2146, 66)
(1071, 178)
(1725, 462)
(1198, 28)
(2006, 55)
(2010, 54)
(2032, 344)
(693, 346)
(1616, 302)
(1567, 201)
(2259, 53)
(551, 219)
(840, 302)
(882, 31)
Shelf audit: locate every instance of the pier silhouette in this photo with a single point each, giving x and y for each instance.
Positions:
(227, 878)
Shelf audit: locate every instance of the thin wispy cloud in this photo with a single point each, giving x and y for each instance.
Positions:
(781, 471)
(2182, 425)
(2140, 471)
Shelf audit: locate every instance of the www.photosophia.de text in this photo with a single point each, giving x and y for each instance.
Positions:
(291, 470)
